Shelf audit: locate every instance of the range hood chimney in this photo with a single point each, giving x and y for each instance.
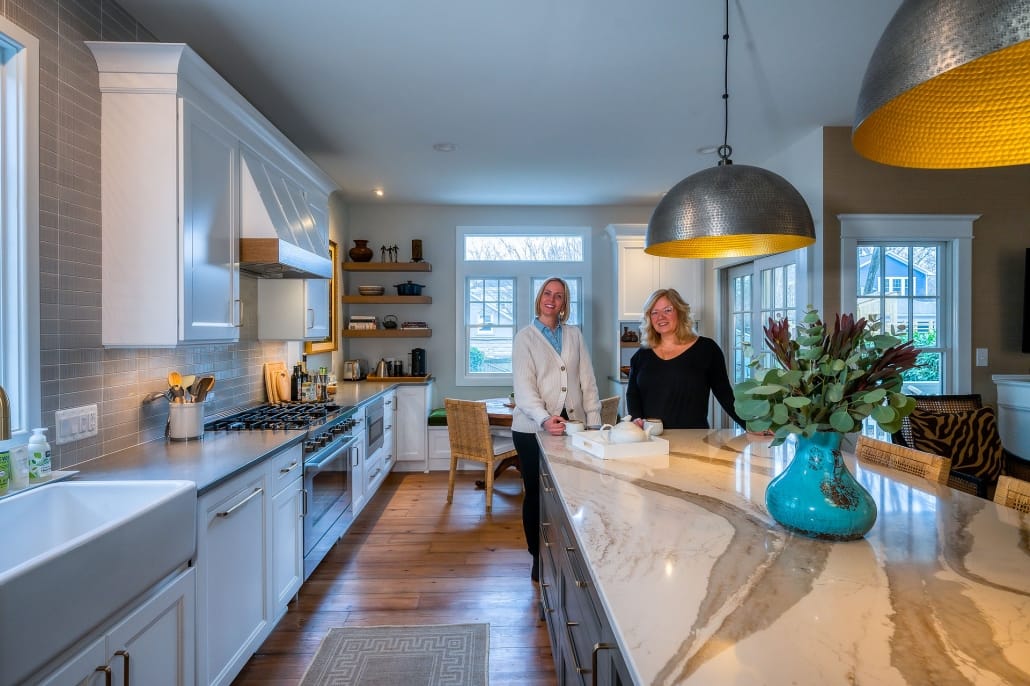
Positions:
(279, 237)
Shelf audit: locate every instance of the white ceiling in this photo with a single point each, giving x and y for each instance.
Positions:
(549, 102)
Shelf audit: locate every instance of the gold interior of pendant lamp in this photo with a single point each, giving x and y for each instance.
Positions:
(730, 210)
(739, 245)
(976, 115)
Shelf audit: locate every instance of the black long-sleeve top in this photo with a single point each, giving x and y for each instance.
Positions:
(676, 391)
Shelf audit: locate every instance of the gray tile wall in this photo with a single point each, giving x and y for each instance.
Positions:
(76, 370)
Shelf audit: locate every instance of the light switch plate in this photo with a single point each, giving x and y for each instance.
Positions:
(76, 423)
(981, 357)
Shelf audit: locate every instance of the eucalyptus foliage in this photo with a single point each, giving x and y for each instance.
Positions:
(827, 381)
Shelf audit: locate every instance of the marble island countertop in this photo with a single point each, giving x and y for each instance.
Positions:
(702, 587)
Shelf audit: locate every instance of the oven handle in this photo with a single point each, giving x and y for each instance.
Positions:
(332, 455)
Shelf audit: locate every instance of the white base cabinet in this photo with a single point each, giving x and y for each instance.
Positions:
(249, 562)
(152, 645)
(412, 424)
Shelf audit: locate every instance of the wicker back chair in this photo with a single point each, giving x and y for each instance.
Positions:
(926, 465)
(938, 404)
(610, 410)
(1014, 493)
(468, 429)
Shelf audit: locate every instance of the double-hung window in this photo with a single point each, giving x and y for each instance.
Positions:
(19, 225)
(499, 271)
(913, 271)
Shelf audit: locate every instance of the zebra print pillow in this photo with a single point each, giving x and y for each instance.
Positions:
(969, 438)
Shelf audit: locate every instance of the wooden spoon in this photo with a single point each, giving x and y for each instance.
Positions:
(174, 379)
(204, 385)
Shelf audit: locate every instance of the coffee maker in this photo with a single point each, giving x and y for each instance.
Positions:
(418, 362)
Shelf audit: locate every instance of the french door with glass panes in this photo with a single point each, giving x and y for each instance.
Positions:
(769, 287)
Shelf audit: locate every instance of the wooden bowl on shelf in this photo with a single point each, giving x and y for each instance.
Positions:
(625, 370)
(371, 290)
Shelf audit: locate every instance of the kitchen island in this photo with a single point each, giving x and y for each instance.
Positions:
(699, 586)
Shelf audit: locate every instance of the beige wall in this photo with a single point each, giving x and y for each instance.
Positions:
(852, 184)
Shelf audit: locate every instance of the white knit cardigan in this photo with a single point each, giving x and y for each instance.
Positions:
(545, 382)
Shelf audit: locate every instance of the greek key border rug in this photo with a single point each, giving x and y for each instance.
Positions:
(430, 655)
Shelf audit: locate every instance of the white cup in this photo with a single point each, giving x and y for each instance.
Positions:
(653, 427)
(572, 427)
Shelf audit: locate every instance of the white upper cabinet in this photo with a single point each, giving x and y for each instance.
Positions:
(638, 275)
(188, 169)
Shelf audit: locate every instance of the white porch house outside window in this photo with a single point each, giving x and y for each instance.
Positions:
(19, 225)
(499, 270)
(916, 270)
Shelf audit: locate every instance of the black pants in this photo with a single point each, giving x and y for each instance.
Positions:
(529, 464)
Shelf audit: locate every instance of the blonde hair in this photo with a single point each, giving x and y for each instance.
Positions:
(684, 322)
(563, 314)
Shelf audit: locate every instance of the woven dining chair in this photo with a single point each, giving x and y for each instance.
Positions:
(610, 410)
(468, 429)
(927, 465)
(1013, 492)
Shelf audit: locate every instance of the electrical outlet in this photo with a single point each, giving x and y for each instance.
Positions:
(76, 423)
(981, 357)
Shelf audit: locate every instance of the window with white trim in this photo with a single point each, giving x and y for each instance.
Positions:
(932, 254)
(19, 228)
(499, 270)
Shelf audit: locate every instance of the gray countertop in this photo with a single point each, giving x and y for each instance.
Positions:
(218, 456)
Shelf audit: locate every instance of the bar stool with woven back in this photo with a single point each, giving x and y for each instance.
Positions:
(468, 429)
(1013, 492)
(939, 430)
(926, 465)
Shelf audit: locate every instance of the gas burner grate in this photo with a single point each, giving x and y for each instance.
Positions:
(280, 416)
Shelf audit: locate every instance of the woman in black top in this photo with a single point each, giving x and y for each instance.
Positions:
(672, 374)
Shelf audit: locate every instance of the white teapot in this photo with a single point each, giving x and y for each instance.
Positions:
(626, 431)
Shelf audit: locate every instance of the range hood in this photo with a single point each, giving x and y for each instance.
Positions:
(279, 237)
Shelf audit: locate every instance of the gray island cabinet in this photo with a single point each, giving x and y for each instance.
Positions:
(668, 570)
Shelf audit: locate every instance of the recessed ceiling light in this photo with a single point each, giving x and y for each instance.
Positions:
(444, 147)
(378, 192)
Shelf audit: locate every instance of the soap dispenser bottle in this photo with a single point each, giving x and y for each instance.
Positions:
(39, 455)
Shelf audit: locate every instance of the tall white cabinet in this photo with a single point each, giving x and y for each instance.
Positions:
(637, 276)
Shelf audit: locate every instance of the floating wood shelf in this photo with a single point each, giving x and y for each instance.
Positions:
(633, 344)
(388, 299)
(387, 333)
(387, 267)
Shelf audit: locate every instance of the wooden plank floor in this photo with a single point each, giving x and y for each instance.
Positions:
(410, 558)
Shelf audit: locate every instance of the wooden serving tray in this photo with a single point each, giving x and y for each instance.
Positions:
(399, 379)
(594, 443)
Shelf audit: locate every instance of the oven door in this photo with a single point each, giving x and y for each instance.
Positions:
(327, 500)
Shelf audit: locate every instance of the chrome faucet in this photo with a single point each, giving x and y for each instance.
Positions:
(5, 415)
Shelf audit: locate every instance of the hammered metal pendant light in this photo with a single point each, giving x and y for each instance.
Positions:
(948, 87)
(732, 210)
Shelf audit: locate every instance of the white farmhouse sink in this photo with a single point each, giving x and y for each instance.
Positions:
(73, 553)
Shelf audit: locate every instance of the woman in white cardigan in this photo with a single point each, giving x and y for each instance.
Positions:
(553, 381)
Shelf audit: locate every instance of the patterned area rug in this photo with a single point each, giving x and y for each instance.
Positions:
(432, 655)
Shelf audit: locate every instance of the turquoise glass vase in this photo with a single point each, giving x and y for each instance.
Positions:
(817, 496)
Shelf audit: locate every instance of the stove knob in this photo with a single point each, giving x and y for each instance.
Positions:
(309, 446)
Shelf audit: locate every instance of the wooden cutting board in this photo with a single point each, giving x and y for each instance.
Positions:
(277, 382)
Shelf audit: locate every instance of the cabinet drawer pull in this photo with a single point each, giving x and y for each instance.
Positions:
(106, 669)
(575, 657)
(593, 658)
(124, 654)
(287, 470)
(226, 513)
(581, 584)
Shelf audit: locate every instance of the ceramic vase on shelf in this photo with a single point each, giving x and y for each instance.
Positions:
(817, 496)
(360, 252)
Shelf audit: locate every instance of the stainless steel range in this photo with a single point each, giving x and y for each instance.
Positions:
(330, 449)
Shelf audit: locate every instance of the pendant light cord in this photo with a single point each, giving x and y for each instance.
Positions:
(725, 150)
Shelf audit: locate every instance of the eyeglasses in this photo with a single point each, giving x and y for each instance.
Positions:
(666, 311)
